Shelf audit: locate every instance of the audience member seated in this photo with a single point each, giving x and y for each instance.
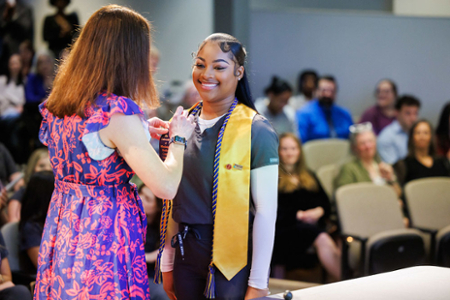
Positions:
(275, 108)
(366, 165)
(60, 28)
(393, 139)
(37, 90)
(12, 92)
(26, 52)
(443, 132)
(8, 169)
(39, 84)
(383, 113)
(303, 207)
(152, 208)
(9, 291)
(422, 161)
(32, 217)
(39, 161)
(322, 118)
(307, 84)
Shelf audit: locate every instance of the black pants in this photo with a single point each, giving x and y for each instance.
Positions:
(191, 272)
(18, 292)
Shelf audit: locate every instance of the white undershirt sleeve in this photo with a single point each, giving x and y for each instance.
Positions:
(264, 188)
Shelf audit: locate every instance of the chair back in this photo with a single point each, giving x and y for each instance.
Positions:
(10, 232)
(365, 209)
(428, 202)
(319, 153)
(327, 175)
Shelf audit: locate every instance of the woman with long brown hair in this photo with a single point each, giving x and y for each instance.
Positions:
(422, 160)
(93, 240)
(303, 207)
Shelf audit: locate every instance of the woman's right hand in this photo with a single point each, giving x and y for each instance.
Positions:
(168, 285)
(181, 124)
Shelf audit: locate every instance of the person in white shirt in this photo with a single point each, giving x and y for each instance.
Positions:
(12, 92)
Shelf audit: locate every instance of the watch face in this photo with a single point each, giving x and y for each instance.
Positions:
(179, 139)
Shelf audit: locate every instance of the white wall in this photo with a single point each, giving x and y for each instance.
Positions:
(428, 8)
(179, 27)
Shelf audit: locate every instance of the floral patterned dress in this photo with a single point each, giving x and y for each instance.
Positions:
(93, 241)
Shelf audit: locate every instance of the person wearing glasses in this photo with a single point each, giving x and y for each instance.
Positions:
(366, 165)
(383, 112)
(322, 118)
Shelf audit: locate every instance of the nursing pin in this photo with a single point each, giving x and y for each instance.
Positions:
(228, 166)
(238, 167)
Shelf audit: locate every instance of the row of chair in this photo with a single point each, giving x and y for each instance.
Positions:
(370, 215)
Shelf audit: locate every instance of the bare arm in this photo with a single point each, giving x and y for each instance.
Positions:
(127, 135)
(14, 207)
(5, 270)
(33, 254)
(151, 256)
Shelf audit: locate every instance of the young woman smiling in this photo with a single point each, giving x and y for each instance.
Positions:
(226, 233)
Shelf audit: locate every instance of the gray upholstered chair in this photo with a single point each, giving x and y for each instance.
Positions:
(428, 202)
(319, 153)
(370, 214)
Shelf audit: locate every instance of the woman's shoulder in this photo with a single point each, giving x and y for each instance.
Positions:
(261, 125)
(443, 161)
(264, 143)
(108, 104)
(351, 164)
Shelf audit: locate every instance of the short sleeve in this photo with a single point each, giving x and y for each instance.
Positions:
(31, 235)
(18, 195)
(99, 118)
(264, 143)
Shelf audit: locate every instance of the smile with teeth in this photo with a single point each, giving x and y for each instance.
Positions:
(208, 86)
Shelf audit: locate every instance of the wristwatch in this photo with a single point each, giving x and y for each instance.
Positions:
(178, 140)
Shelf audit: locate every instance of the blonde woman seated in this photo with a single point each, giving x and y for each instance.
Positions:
(366, 165)
(303, 207)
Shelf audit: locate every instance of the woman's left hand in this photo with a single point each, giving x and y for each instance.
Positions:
(157, 127)
(253, 293)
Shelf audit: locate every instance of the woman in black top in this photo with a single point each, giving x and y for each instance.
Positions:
(303, 207)
(443, 132)
(32, 216)
(422, 160)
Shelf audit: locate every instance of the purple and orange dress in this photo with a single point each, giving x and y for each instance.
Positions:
(93, 241)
